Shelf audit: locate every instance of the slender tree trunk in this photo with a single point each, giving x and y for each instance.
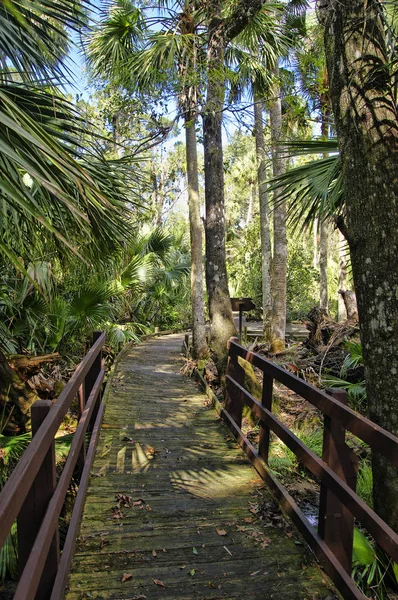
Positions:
(252, 198)
(199, 344)
(324, 230)
(367, 126)
(323, 266)
(279, 263)
(265, 231)
(315, 241)
(221, 317)
(342, 313)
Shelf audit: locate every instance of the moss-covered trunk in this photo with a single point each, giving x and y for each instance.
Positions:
(365, 112)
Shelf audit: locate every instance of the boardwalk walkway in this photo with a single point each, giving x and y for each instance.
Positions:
(172, 509)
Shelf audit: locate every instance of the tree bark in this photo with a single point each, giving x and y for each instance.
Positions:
(221, 32)
(265, 231)
(342, 313)
(323, 232)
(16, 398)
(323, 266)
(199, 344)
(279, 263)
(221, 317)
(366, 121)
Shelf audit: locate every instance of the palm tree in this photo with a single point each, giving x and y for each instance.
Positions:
(50, 185)
(126, 50)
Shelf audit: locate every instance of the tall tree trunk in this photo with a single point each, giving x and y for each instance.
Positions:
(367, 126)
(279, 263)
(199, 344)
(342, 313)
(265, 231)
(323, 232)
(323, 266)
(221, 317)
(315, 243)
(252, 198)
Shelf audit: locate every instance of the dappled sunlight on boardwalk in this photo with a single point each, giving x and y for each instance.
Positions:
(171, 510)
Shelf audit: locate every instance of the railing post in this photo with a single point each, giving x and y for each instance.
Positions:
(266, 401)
(336, 523)
(35, 506)
(233, 401)
(90, 380)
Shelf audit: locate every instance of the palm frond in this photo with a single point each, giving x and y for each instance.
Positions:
(34, 37)
(313, 190)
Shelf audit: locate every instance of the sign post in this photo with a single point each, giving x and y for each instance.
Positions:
(242, 304)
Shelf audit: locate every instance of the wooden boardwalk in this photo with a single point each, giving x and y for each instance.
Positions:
(173, 509)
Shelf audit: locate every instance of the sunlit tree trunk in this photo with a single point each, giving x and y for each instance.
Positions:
(324, 229)
(279, 263)
(323, 266)
(199, 344)
(221, 317)
(342, 313)
(264, 215)
(365, 112)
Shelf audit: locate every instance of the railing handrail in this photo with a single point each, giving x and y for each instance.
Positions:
(383, 534)
(336, 470)
(376, 437)
(14, 493)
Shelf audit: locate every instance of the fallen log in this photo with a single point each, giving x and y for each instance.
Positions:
(24, 361)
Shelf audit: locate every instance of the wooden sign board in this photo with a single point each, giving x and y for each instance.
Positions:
(242, 304)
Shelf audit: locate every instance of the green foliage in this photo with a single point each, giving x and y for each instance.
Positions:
(356, 390)
(373, 571)
(302, 279)
(365, 483)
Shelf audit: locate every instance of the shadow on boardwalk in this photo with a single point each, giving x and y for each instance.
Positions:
(184, 525)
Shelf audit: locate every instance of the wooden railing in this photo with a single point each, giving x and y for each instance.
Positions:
(339, 504)
(34, 498)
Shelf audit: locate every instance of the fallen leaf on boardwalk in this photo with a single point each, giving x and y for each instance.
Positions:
(148, 507)
(255, 573)
(194, 550)
(159, 582)
(164, 549)
(248, 519)
(192, 572)
(226, 549)
(126, 577)
(154, 553)
(183, 566)
(137, 503)
(221, 532)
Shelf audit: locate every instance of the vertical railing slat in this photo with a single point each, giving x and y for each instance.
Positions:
(233, 402)
(336, 523)
(33, 510)
(266, 401)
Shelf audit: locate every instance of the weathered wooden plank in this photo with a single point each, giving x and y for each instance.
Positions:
(163, 446)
